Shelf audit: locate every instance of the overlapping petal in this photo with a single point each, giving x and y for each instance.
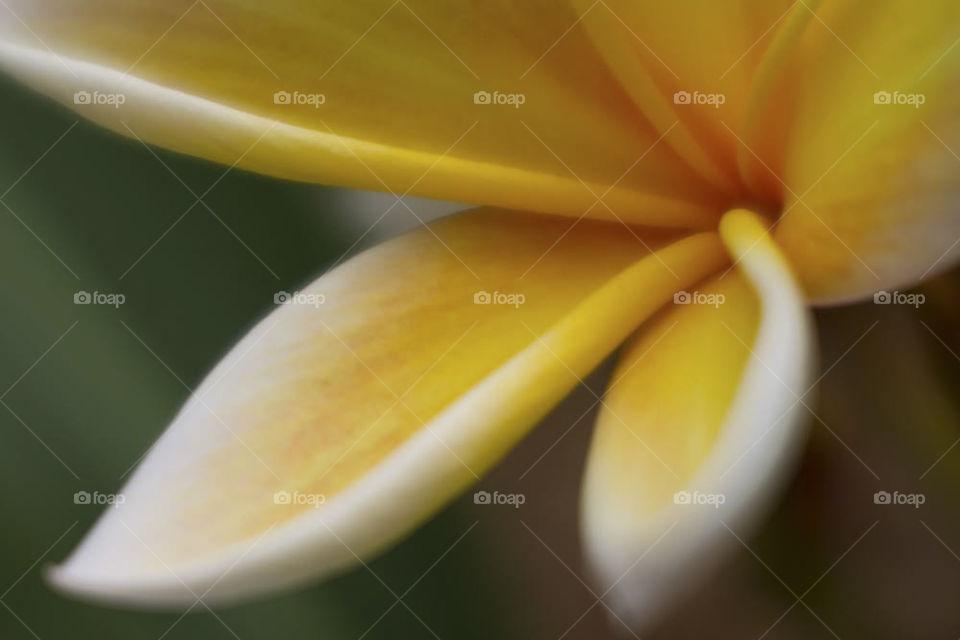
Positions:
(376, 394)
(690, 66)
(698, 429)
(377, 95)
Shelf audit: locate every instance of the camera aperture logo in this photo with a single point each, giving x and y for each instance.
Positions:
(698, 98)
(512, 499)
(912, 499)
(696, 297)
(899, 98)
(499, 298)
(696, 498)
(98, 498)
(99, 98)
(299, 297)
(898, 297)
(299, 98)
(485, 97)
(296, 498)
(98, 297)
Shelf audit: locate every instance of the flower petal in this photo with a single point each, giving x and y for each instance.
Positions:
(869, 169)
(398, 80)
(689, 67)
(705, 402)
(385, 388)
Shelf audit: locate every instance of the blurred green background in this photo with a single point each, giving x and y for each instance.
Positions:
(87, 389)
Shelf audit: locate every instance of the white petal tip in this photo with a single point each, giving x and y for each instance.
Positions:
(152, 593)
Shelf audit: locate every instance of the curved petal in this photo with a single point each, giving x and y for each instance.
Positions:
(377, 95)
(869, 173)
(699, 428)
(379, 393)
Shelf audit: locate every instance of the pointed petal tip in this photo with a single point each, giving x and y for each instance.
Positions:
(230, 577)
(74, 581)
(112, 565)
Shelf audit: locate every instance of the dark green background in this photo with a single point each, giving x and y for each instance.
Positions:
(99, 398)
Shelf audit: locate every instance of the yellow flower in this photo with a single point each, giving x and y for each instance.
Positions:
(684, 177)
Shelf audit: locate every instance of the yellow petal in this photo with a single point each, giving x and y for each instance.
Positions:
(389, 386)
(397, 81)
(689, 67)
(870, 190)
(698, 429)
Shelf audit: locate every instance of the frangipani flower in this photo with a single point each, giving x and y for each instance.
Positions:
(683, 178)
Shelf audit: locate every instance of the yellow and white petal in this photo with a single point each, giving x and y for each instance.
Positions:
(871, 163)
(480, 102)
(700, 426)
(371, 398)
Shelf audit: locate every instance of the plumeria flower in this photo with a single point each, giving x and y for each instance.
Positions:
(685, 179)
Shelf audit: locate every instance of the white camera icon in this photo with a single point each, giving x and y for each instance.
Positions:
(681, 497)
(482, 297)
(882, 97)
(481, 97)
(281, 497)
(481, 497)
(81, 497)
(281, 297)
(882, 297)
(881, 497)
(82, 97)
(82, 297)
(681, 97)
(681, 297)
(281, 97)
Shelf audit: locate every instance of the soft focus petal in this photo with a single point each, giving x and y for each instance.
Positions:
(397, 81)
(871, 189)
(380, 393)
(705, 401)
(689, 67)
